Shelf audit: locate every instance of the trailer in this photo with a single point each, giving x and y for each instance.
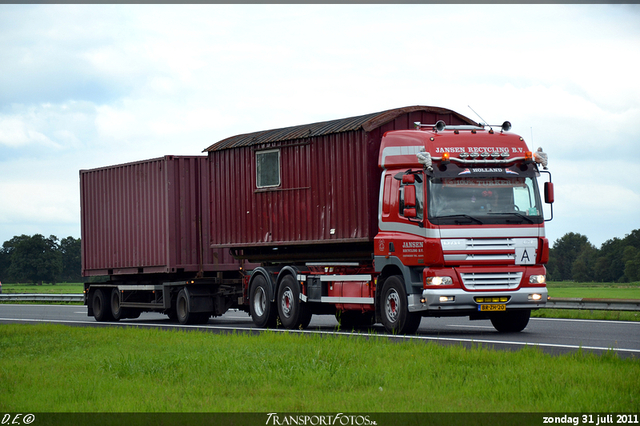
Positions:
(145, 226)
(374, 219)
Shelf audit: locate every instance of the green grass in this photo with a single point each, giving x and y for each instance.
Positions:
(63, 288)
(55, 368)
(587, 314)
(594, 290)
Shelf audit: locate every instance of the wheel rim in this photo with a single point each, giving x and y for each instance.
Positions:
(259, 301)
(287, 299)
(391, 305)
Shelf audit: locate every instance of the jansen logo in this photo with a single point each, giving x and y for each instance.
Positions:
(412, 244)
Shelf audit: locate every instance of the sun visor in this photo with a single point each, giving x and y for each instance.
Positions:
(453, 170)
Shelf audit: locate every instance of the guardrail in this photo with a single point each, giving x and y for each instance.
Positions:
(32, 297)
(593, 304)
(552, 303)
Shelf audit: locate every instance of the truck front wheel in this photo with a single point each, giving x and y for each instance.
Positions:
(394, 309)
(263, 312)
(510, 321)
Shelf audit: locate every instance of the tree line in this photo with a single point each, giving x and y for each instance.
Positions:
(574, 258)
(36, 259)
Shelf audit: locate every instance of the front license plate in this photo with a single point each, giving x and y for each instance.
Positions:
(491, 308)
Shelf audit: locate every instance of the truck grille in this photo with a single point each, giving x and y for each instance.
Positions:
(491, 281)
(502, 251)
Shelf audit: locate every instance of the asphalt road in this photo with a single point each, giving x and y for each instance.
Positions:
(555, 336)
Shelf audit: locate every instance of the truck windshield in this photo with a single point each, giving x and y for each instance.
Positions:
(484, 199)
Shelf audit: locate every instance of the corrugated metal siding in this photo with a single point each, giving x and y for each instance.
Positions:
(325, 185)
(367, 122)
(147, 217)
(328, 181)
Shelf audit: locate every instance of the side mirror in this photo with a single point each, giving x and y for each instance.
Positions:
(410, 213)
(408, 179)
(409, 197)
(548, 192)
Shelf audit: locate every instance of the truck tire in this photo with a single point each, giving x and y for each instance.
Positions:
(263, 312)
(116, 310)
(293, 313)
(510, 321)
(183, 310)
(394, 309)
(101, 306)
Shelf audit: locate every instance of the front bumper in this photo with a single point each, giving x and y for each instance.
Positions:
(465, 300)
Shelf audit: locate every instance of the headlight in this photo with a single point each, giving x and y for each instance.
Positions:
(537, 279)
(439, 281)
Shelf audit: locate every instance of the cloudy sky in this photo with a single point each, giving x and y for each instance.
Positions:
(84, 86)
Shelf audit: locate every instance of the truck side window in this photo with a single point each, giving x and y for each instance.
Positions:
(268, 168)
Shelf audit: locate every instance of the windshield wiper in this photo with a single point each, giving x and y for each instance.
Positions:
(466, 216)
(520, 215)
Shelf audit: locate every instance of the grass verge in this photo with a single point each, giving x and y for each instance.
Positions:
(586, 314)
(594, 290)
(55, 368)
(64, 288)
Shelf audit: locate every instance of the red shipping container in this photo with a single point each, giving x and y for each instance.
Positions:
(305, 192)
(148, 217)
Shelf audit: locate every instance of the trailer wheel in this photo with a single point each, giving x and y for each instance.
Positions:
(511, 321)
(116, 310)
(263, 312)
(101, 306)
(183, 314)
(293, 313)
(394, 309)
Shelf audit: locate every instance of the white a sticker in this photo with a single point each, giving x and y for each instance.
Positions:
(525, 255)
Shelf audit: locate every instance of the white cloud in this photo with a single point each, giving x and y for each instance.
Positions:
(90, 85)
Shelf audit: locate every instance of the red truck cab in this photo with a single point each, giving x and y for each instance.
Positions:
(461, 226)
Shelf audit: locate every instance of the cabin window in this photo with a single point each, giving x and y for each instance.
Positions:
(268, 168)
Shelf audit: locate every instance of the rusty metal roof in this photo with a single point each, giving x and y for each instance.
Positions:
(367, 122)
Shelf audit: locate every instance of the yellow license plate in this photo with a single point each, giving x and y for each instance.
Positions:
(492, 308)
